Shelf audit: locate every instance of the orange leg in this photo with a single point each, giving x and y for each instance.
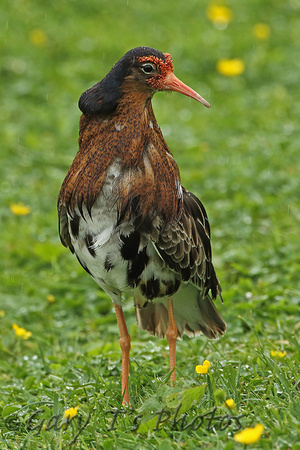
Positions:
(171, 335)
(125, 347)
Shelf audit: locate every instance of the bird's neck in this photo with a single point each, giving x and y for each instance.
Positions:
(123, 134)
(132, 137)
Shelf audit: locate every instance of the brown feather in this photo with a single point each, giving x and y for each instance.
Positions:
(190, 255)
(142, 150)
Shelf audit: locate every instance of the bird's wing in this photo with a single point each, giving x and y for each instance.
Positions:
(185, 247)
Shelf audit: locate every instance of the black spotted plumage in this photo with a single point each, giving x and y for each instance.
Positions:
(136, 266)
(130, 245)
(89, 242)
(107, 264)
(74, 225)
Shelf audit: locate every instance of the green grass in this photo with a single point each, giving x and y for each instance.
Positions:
(241, 158)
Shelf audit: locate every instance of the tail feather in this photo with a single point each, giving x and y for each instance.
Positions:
(152, 318)
(193, 313)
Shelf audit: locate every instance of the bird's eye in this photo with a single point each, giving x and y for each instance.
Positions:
(148, 68)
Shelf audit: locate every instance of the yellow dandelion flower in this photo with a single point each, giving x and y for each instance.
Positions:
(21, 332)
(219, 14)
(19, 209)
(230, 67)
(261, 31)
(277, 354)
(2, 313)
(203, 368)
(37, 37)
(70, 413)
(50, 298)
(250, 435)
(230, 403)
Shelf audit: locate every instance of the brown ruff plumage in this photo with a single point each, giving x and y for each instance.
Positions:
(99, 146)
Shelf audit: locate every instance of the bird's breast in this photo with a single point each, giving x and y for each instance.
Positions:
(116, 247)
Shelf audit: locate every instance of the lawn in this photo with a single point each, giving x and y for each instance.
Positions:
(241, 158)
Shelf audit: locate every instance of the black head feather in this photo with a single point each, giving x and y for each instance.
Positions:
(103, 97)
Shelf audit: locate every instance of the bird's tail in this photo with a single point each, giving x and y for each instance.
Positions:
(193, 313)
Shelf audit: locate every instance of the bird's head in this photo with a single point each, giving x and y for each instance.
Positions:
(142, 69)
